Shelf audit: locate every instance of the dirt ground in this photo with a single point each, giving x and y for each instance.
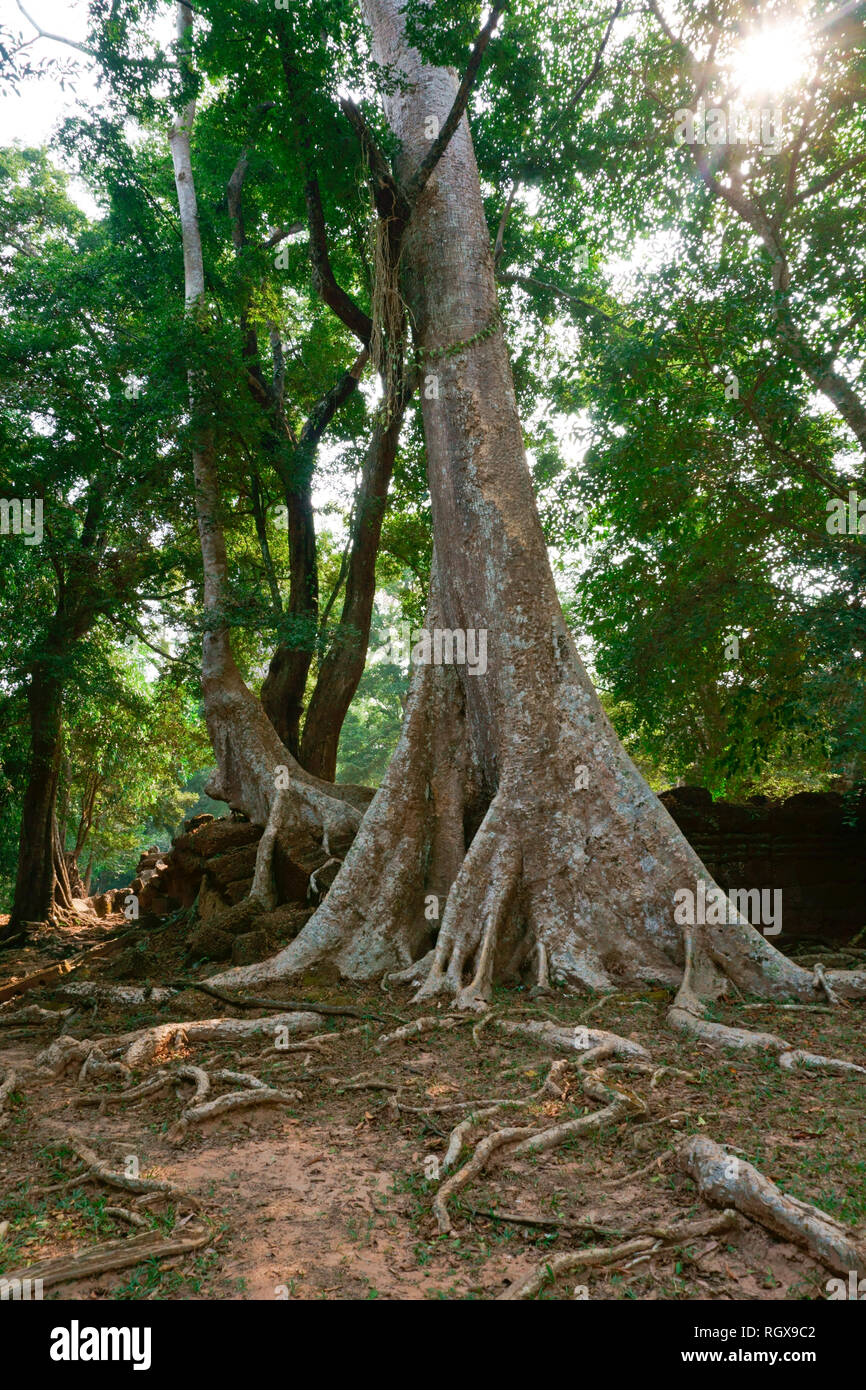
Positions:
(329, 1194)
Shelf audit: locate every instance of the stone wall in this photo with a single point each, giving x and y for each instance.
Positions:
(802, 846)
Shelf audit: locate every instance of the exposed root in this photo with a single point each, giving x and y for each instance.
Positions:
(147, 1090)
(551, 1223)
(200, 1079)
(723, 1035)
(661, 1072)
(413, 974)
(64, 1054)
(372, 1084)
(553, 1265)
(33, 1014)
(120, 996)
(258, 1094)
(788, 1056)
(476, 907)
(142, 1046)
(555, 1083)
(821, 976)
(459, 1134)
(542, 978)
(613, 996)
(724, 1179)
(321, 1040)
(578, 1039)
(618, 1105)
(656, 1163)
(425, 1024)
(240, 1078)
(300, 1005)
(97, 1168)
(7, 1086)
(701, 983)
(833, 1066)
(313, 887)
(600, 1053)
(133, 1218)
(470, 1170)
(263, 890)
(96, 1064)
(122, 1254)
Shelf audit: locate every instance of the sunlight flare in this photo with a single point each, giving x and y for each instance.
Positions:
(772, 59)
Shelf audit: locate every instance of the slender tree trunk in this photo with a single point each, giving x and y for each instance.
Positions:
(85, 820)
(37, 855)
(64, 890)
(509, 799)
(343, 665)
(87, 875)
(285, 685)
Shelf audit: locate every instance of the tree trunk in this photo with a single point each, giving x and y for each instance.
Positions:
(285, 685)
(509, 794)
(343, 665)
(37, 855)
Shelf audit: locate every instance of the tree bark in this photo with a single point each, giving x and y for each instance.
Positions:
(63, 890)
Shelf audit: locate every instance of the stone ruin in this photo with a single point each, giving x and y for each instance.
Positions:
(812, 846)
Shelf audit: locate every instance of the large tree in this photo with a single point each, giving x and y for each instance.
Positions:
(509, 798)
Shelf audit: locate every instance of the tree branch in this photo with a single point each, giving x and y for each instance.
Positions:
(389, 197)
(596, 66)
(531, 282)
(327, 406)
(280, 235)
(55, 38)
(235, 201)
(499, 243)
(415, 187)
(828, 179)
(82, 48)
(336, 298)
(137, 631)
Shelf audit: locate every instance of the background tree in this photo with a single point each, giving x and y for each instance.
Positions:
(75, 443)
